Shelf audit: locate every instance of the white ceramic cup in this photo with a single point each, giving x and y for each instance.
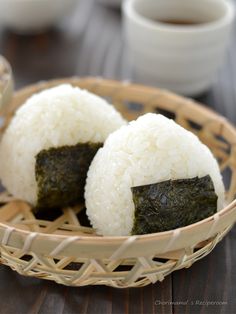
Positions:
(182, 58)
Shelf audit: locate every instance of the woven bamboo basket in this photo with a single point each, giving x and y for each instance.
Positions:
(66, 251)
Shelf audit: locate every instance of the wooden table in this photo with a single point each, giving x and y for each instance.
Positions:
(90, 43)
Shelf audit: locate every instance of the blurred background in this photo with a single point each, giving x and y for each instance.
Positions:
(87, 41)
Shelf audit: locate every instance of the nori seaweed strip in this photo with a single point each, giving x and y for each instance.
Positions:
(61, 174)
(172, 204)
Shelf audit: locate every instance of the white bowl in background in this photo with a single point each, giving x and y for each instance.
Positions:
(182, 58)
(29, 16)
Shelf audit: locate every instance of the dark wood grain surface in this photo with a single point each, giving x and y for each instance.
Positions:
(90, 43)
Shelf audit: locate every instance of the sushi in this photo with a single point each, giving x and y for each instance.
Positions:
(151, 175)
(50, 142)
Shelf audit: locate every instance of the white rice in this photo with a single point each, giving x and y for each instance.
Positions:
(59, 116)
(149, 150)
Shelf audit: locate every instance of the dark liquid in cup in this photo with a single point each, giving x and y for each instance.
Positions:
(179, 22)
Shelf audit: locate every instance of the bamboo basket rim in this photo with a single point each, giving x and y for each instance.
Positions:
(107, 239)
(104, 239)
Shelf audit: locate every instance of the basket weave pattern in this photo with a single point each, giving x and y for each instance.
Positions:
(63, 250)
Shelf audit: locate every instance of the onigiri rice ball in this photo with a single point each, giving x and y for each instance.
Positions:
(51, 138)
(149, 150)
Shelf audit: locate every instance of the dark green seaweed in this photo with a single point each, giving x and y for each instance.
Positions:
(172, 204)
(61, 174)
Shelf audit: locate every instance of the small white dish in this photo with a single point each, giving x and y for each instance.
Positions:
(31, 16)
(6, 84)
(182, 58)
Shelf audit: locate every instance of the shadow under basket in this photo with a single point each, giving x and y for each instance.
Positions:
(62, 248)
